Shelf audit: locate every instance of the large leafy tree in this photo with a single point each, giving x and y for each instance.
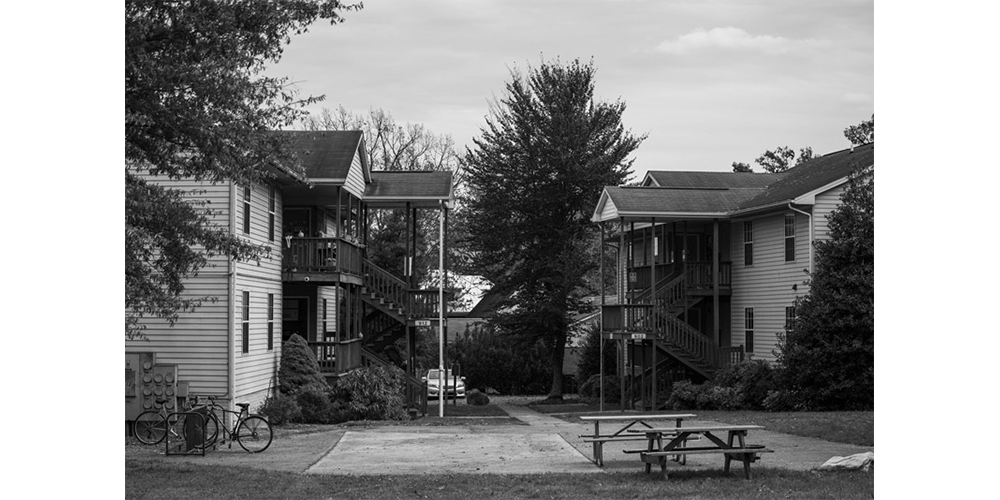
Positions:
(828, 353)
(776, 161)
(534, 176)
(197, 106)
(862, 133)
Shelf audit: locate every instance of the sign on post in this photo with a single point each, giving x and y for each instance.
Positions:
(423, 322)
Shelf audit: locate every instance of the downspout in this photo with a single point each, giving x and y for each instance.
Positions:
(807, 214)
(231, 322)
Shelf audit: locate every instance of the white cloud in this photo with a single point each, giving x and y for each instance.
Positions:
(730, 38)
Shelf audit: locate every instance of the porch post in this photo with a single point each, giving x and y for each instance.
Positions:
(600, 317)
(684, 269)
(656, 333)
(715, 280)
(406, 236)
(339, 231)
(622, 287)
(442, 393)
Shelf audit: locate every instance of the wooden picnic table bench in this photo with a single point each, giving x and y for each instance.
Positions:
(678, 436)
(598, 439)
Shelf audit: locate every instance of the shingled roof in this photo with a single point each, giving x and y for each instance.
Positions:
(714, 194)
(394, 187)
(325, 154)
(687, 179)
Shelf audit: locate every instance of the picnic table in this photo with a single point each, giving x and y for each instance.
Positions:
(738, 450)
(623, 423)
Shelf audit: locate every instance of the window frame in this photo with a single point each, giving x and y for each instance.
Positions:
(790, 237)
(272, 203)
(247, 195)
(748, 329)
(748, 243)
(789, 316)
(245, 322)
(270, 322)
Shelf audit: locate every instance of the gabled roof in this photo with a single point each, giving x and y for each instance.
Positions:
(686, 179)
(327, 155)
(687, 195)
(820, 173)
(419, 188)
(674, 202)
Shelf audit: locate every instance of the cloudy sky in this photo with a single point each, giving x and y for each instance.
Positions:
(711, 82)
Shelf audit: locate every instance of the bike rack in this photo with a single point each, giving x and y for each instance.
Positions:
(187, 428)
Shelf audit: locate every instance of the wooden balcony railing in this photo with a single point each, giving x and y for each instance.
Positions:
(337, 357)
(634, 318)
(325, 255)
(424, 303)
(699, 274)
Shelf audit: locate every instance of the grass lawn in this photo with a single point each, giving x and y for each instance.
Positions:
(852, 427)
(152, 480)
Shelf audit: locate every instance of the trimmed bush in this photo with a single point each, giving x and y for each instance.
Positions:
(591, 389)
(280, 409)
(752, 380)
(299, 369)
(372, 393)
(476, 398)
(315, 406)
(685, 395)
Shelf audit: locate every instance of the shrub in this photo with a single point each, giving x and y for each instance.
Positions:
(684, 395)
(752, 380)
(590, 354)
(280, 409)
(591, 388)
(315, 406)
(299, 369)
(372, 393)
(476, 398)
(784, 400)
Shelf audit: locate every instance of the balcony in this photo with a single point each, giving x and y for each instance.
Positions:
(321, 260)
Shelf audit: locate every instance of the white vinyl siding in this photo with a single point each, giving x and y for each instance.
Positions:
(198, 343)
(269, 266)
(256, 369)
(355, 182)
(825, 203)
(767, 286)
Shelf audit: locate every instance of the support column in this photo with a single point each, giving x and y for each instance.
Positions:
(715, 280)
(656, 333)
(600, 325)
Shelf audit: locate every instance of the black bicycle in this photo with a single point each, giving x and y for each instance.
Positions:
(251, 431)
(151, 426)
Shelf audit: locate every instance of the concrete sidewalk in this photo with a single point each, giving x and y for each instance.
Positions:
(545, 445)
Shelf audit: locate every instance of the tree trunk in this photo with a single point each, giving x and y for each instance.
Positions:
(558, 353)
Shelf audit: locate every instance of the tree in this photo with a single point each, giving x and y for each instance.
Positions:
(776, 161)
(827, 355)
(862, 133)
(534, 176)
(197, 107)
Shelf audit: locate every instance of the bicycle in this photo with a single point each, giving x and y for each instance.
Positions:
(152, 426)
(253, 432)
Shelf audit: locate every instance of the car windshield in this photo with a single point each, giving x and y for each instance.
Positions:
(436, 374)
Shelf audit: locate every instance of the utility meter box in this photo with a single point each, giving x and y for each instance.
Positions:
(148, 385)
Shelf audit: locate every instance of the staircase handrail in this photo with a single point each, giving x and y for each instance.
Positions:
(385, 284)
(692, 341)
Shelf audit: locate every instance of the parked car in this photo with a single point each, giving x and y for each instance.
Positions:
(454, 386)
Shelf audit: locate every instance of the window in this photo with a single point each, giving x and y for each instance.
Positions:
(270, 321)
(246, 210)
(789, 316)
(246, 322)
(748, 328)
(748, 243)
(271, 203)
(324, 319)
(790, 238)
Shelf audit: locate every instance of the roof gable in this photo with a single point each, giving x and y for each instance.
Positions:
(328, 155)
(713, 194)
